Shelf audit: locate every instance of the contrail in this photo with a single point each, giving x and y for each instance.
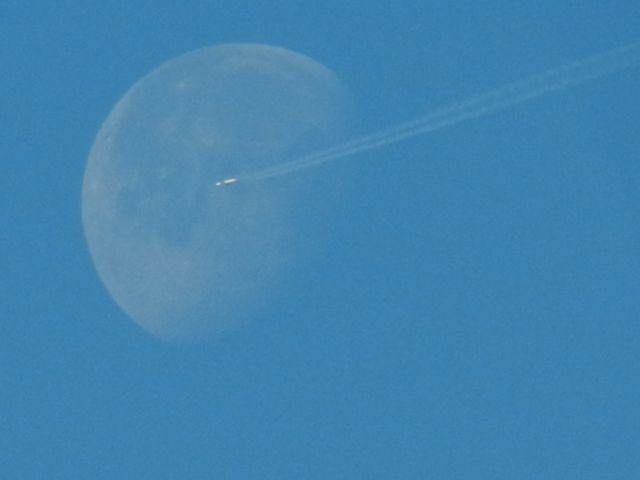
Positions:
(559, 78)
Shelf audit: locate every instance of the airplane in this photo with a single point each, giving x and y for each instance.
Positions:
(226, 182)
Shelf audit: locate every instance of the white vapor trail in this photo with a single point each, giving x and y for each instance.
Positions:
(559, 78)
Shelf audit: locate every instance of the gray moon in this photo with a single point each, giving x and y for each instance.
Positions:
(186, 260)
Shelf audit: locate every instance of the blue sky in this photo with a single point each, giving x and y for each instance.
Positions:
(474, 309)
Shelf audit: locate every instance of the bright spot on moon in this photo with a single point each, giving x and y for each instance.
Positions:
(182, 258)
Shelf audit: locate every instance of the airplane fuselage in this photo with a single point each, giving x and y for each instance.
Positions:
(226, 182)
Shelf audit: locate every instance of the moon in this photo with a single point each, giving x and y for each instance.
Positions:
(183, 259)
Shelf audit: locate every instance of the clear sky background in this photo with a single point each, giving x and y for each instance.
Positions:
(474, 313)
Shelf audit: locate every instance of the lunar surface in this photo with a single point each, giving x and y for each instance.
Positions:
(183, 258)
